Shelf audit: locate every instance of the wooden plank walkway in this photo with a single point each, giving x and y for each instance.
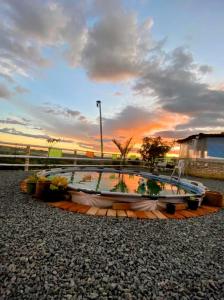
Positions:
(159, 215)
(156, 214)
(121, 213)
(111, 213)
(92, 211)
(150, 215)
(101, 212)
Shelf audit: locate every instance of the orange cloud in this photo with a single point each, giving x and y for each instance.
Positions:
(161, 121)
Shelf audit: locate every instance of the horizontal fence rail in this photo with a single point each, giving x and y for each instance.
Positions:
(55, 157)
(33, 156)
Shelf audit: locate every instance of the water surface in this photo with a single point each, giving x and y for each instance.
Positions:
(125, 183)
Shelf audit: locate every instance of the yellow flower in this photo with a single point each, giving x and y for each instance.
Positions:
(42, 178)
(60, 182)
(32, 179)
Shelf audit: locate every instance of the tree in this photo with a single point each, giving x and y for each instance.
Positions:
(153, 148)
(51, 141)
(124, 149)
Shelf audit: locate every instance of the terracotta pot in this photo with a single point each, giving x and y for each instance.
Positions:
(31, 188)
(41, 188)
(213, 198)
(23, 186)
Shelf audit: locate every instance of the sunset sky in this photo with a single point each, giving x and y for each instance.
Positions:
(157, 66)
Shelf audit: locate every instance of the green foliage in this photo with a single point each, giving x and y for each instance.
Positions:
(124, 149)
(153, 148)
(32, 179)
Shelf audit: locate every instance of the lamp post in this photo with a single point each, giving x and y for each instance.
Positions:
(98, 104)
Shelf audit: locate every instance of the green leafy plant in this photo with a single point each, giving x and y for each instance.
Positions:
(32, 179)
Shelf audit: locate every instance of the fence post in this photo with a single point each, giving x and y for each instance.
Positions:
(75, 161)
(27, 159)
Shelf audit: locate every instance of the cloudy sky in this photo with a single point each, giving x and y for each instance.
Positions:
(157, 66)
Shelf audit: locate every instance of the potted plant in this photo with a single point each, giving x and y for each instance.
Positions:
(31, 184)
(43, 184)
(57, 189)
(193, 203)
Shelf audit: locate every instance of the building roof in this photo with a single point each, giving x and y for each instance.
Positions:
(200, 136)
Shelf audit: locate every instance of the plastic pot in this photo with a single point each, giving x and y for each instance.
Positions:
(41, 188)
(53, 196)
(193, 204)
(170, 208)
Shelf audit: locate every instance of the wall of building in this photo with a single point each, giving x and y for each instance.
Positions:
(195, 148)
(207, 168)
(206, 147)
(215, 147)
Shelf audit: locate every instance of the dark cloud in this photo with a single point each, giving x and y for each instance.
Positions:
(138, 121)
(12, 121)
(130, 117)
(59, 121)
(61, 111)
(21, 90)
(176, 84)
(204, 119)
(118, 94)
(176, 134)
(205, 69)
(72, 113)
(39, 20)
(26, 27)
(4, 92)
(13, 131)
(18, 55)
(110, 49)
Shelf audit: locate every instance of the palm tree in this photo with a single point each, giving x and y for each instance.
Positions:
(124, 149)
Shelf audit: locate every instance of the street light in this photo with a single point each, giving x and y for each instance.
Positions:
(98, 104)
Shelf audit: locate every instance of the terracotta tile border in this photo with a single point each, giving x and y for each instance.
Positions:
(122, 213)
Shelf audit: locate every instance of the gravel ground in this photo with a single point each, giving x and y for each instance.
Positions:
(47, 253)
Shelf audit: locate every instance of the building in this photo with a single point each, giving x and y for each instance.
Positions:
(202, 146)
